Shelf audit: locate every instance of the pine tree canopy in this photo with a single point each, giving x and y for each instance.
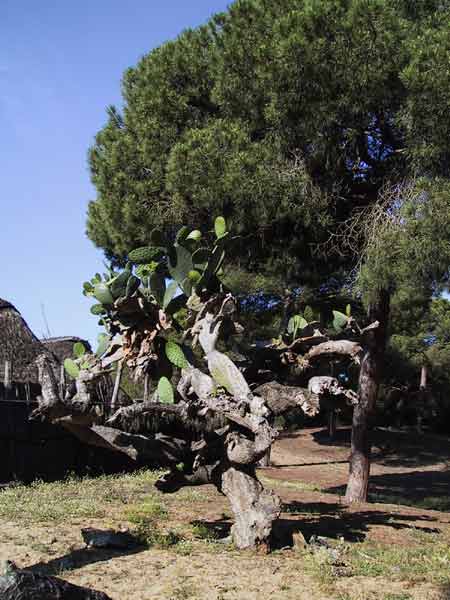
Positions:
(283, 115)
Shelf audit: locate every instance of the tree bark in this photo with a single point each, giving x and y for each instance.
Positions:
(331, 424)
(369, 379)
(255, 509)
(115, 395)
(423, 377)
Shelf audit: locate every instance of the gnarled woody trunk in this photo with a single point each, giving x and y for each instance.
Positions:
(369, 380)
(255, 509)
(226, 457)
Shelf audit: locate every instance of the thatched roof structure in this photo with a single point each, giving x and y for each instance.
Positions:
(62, 347)
(19, 345)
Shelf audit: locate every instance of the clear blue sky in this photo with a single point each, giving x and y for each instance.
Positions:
(61, 64)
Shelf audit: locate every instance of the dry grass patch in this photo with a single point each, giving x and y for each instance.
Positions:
(74, 497)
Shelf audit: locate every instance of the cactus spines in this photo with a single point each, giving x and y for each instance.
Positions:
(176, 355)
(146, 270)
(146, 254)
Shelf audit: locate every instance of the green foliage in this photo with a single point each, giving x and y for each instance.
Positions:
(295, 323)
(118, 284)
(158, 286)
(169, 294)
(195, 235)
(180, 265)
(409, 245)
(97, 309)
(339, 320)
(176, 355)
(220, 227)
(133, 284)
(71, 368)
(103, 341)
(308, 313)
(261, 113)
(146, 254)
(165, 391)
(103, 294)
(79, 349)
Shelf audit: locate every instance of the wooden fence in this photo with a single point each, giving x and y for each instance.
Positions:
(32, 450)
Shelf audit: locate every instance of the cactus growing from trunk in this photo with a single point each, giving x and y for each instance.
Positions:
(212, 423)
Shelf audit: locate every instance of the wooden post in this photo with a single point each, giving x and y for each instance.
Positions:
(421, 398)
(146, 387)
(7, 381)
(423, 377)
(332, 424)
(116, 388)
(62, 381)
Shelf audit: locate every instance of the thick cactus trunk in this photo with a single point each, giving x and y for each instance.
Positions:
(255, 509)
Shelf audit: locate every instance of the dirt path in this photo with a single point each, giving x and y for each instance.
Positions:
(406, 467)
(390, 552)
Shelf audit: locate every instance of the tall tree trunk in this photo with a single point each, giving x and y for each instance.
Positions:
(331, 424)
(369, 379)
(421, 399)
(423, 377)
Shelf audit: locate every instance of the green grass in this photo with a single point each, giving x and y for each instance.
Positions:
(74, 497)
(425, 559)
(150, 509)
(428, 561)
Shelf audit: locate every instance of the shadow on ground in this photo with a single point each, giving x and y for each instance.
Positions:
(327, 520)
(76, 559)
(333, 521)
(445, 591)
(395, 448)
(422, 489)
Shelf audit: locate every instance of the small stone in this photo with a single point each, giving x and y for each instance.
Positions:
(108, 538)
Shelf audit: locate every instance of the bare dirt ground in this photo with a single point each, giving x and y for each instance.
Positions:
(406, 468)
(387, 551)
